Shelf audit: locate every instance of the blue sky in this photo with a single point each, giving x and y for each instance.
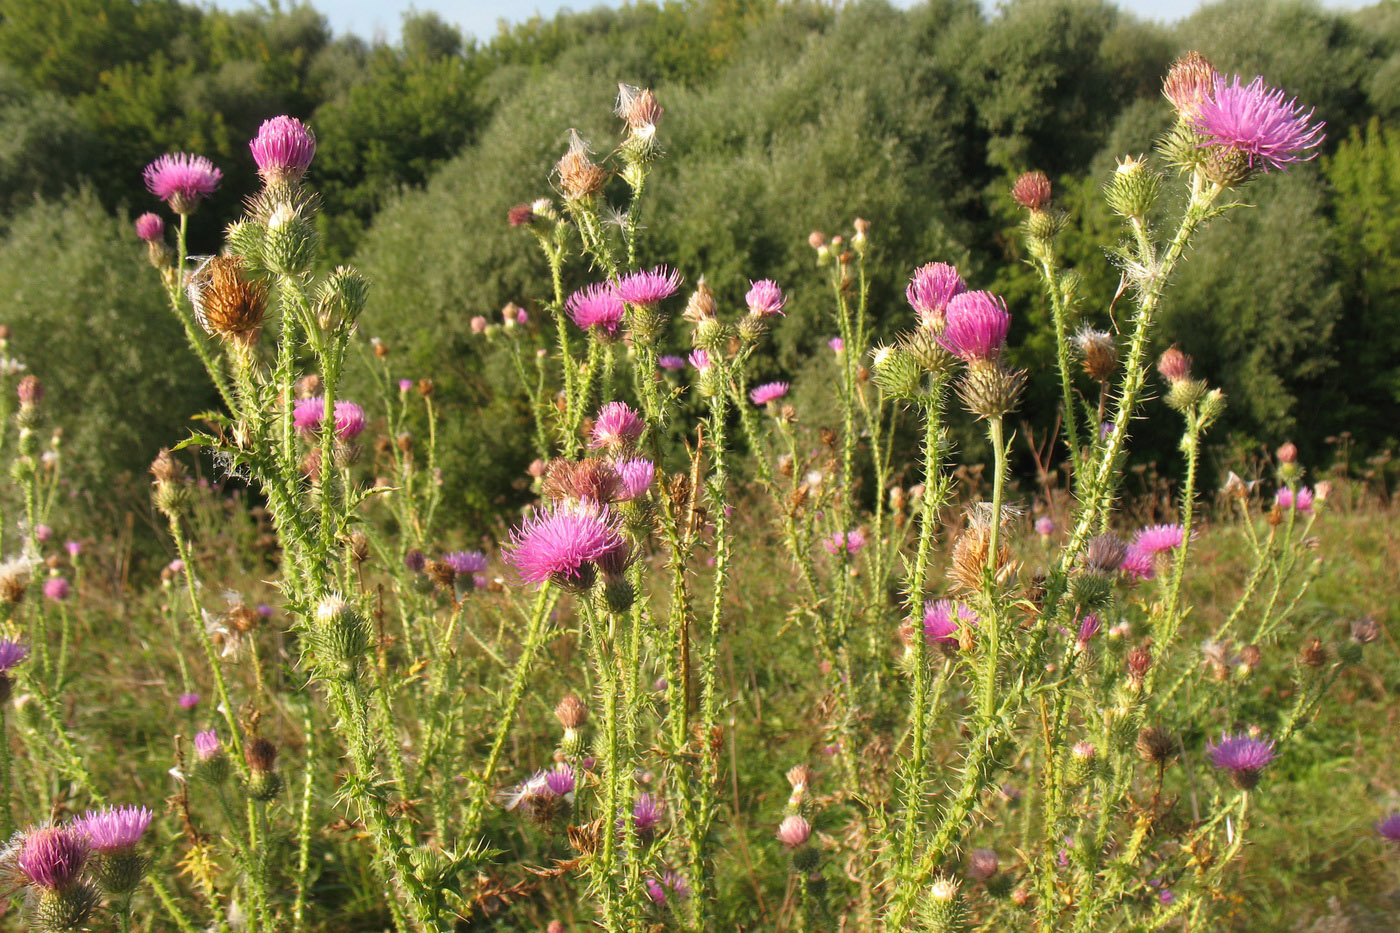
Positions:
(371, 18)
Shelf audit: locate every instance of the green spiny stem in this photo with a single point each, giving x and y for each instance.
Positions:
(197, 342)
(1171, 616)
(303, 837)
(1045, 265)
(991, 660)
(7, 819)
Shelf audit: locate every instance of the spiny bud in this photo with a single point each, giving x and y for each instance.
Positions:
(1139, 663)
(897, 373)
(990, 390)
(1132, 190)
(942, 910)
(1031, 190)
(263, 783)
(1174, 365)
(1189, 81)
(170, 492)
(290, 242)
(341, 636)
(1082, 759)
(341, 298)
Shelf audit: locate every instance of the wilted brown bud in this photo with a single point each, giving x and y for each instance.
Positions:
(571, 712)
(380, 348)
(862, 227)
(165, 468)
(1236, 488)
(359, 546)
(1314, 653)
(578, 175)
(226, 303)
(1366, 630)
(1096, 347)
(1189, 81)
(440, 572)
(1139, 663)
(261, 755)
(404, 442)
(800, 777)
(701, 306)
(1251, 657)
(1105, 553)
(425, 387)
(1155, 746)
(1031, 191)
(1174, 365)
(638, 107)
(591, 479)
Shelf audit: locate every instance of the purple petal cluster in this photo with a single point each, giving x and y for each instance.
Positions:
(350, 418)
(596, 305)
(669, 884)
(849, 541)
(188, 700)
(1303, 501)
(112, 829)
(1256, 121)
(560, 542)
(283, 149)
(618, 425)
(671, 361)
(207, 745)
(768, 392)
(765, 298)
(1389, 828)
(182, 180)
(929, 291)
(700, 359)
(560, 780)
(1241, 753)
(636, 475)
(647, 812)
(1138, 563)
(1155, 539)
(465, 562)
(648, 287)
(942, 618)
(975, 326)
(150, 227)
(11, 654)
(52, 856)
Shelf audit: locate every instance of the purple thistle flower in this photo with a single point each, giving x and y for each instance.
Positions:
(150, 227)
(596, 306)
(1138, 563)
(561, 543)
(1255, 120)
(307, 412)
(1155, 539)
(837, 344)
(112, 829)
(1089, 626)
(207, 744)
(182, 180)
(1303, 502)
(1045, 526)
(617, 426)
(669, 882)
(647, 812)
(11, 654)
(671, 361)
(648, 288)
(1243, 756)
(43, 532)
(636, 475)
(188, 700)
(465, 562)
(57, 589)
(74, 548)
(52, 856)
(975, 326)
(941, 618)
(560, 781)
(349, 418)
(765, 298)
(283, 149)
(930, 290)
(700, 359)
(1389, 828)
(850, 541)
(793, 831)
(768, 392)
(265, 610)
(405, 385)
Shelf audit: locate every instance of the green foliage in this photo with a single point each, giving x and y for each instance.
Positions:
(85, 312)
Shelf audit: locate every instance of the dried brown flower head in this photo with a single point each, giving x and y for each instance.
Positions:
(226, 302)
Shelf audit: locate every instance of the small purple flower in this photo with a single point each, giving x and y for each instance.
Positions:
(1389, 828)
(1045, 526)
(700, 359)
(74, 548)
(283, 149)
(975, 327)
(207, 745)
(349, 418)
(405, 385)
(1166, 898)
(671, 362)
(188, 700)
(1243, 756)
(560, 780)
(942, 618)
(768, 392)
(11, 654)
(1138, 563)
(562, 543)
(1089, 626)
(837, 345)
(765, 298)
(414, 561)
(849, 541)
(265, 610)
(669, 884)
(1303, 502)
(930, 290)
(113, 829)
(794, 831)
(617, 426)
(182, 180)
(52, 857)
(637, 475)
(647, 812)
(648, 288)
(43, 532)
(1156, 539)
(465, 562)
(1255, 120)
(596, 306)
(150, 227)
(57, 589)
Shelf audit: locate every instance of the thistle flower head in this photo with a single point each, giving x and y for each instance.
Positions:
(1286, 500)
(187, 700)
(112, 829)
(648, 288)
(1189, 81)
(562, 543)
(647, 812)
(1031, 190)
(52, 857)
(943, 618)
(182, 180)
(1389, 828)
(11, 654)
(1174, 365)
(700, 359)
(1138, 562)
(837, 345)
(636, 475)
(929, 291)
(596, 306)
(560, 780)
(465, 563)
(1155, 539)
(1089, 626)
(579, 177)
(207, 745)
(1105, 553)
(349, 417)
(1256, 122)
(669, 884)
(975, 327)
(617, 427)
(57, 589)
(1045, 526)
(283, 149)
(982, 864)
(768, 392)
(227, 303)
(765, 298)
(1243, 756)
(150, 227)
(794, 831)
(848, 541)
(1096, 349)
(671, 362)
(638, 107)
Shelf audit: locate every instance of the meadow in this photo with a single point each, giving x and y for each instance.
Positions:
(752, 653)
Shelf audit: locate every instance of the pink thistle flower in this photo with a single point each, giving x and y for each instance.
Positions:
(1156, 539)
(188, 700)
(1256, 121)
(405, 385)
(349, 418)
(794, 831)
(1045, 526)
(560, 780)
(207, 745)
(942, 618)
(1138, 563)
(669, 883)
(616, 427)
(478, 324)
(647, 812)
(1389, 828)
(74, 548)
(465, 562)
(182, 180)
(52, 857)
(765, 298)
(43, 532)
(563, 542)
(636, 475)
(849, 541)
(11, 654)
(975, 326)
(837, 345)
(671, 362)
(283, 149)
(648, 288)
(1089, 626)
(596, 306)
(1243, 756)
(113, 829)
(700, 359)
(1303, 502)
(768, 392)
(929, 291)
(150, 227)
(307, 412)
(57, 589)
